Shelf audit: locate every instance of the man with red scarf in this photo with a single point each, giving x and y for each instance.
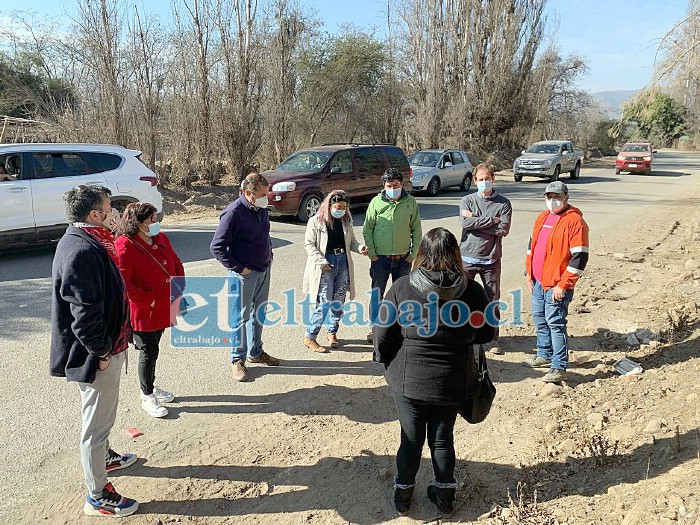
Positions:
(90, 333)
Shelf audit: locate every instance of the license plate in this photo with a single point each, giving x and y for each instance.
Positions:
(633, 165)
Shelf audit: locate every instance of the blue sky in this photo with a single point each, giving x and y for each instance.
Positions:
(617, 37)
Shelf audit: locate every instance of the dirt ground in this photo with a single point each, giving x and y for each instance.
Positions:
(600, 449)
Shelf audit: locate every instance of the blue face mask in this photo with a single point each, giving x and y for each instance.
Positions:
(153, 229)
(484, 185)
(338, 214)
(393, 193)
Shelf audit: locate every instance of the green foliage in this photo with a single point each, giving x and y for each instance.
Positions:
(658, 116)
(601, 138)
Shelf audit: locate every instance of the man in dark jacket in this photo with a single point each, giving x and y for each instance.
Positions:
(243, 246)
(89, 336)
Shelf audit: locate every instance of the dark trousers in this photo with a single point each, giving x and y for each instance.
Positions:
(148, 344)
(416, 419)
(491, 278)
(379, 271)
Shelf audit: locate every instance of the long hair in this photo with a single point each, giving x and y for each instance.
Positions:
(135, 213)
(438, 252)
(324, 210)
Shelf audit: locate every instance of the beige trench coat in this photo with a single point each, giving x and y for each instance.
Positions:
(315, 242)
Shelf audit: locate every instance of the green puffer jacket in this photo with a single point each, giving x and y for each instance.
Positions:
(392, 228)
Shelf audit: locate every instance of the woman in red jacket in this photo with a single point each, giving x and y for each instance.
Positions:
(148, 263)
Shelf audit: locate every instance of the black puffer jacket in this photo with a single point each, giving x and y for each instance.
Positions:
(439, 367)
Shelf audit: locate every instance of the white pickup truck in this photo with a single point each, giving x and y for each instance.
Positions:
(548, 159)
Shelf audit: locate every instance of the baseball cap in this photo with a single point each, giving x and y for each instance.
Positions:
(556, 187)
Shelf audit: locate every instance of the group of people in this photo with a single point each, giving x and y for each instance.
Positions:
(108, 292)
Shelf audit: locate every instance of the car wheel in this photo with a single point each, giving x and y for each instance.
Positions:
(573, 175)
(617, 171)
(433, 187)
(555, 175)
(309, 206)
(120, 205)
(466, 182)
(517, 178)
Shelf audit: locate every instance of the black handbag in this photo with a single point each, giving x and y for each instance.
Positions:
(475, 409)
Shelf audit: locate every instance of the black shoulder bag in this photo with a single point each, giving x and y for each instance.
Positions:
(475, 409)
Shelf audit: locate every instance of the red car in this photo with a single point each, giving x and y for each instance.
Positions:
(635, 157)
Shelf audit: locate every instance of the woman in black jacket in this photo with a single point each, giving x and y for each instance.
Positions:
(430, 362)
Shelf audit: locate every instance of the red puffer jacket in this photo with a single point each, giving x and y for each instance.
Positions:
(147, 285)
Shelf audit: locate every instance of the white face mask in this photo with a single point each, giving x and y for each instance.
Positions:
(554, 205)
(484, 185)
(111, 219)
(153, 229)
(338, 214)
(261, 202)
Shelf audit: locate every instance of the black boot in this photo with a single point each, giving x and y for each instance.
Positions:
(443, 499)
(402, 499)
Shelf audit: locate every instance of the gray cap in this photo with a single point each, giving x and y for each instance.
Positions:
(556, 187)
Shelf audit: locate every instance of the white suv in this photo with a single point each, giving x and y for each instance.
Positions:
(31, 201)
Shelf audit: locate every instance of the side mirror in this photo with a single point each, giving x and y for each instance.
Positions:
(522, 152)
(447, 164)
(565, 152)
(335, 169)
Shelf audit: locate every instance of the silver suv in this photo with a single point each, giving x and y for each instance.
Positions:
(436, 168)
(38, 175)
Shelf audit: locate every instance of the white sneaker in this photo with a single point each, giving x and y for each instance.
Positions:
(152, 406)
(163, 395)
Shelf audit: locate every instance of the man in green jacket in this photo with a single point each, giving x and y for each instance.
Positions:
(392, 233)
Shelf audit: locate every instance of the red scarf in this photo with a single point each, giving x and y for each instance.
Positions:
(104, 237)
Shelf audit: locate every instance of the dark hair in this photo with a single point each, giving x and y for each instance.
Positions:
(391, 174)
(81, 200)
(134, 213)
(438, 251)
(253, 182)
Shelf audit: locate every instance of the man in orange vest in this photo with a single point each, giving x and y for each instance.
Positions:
(556, 258)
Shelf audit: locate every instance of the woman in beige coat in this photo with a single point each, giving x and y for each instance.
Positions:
(329, 274)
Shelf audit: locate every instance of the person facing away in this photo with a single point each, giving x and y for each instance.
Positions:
(243, 246)
(557, 255)
(329, 274)
(148, 263)
(431, 373)
(90, 334)
(485, 218)
(392, 232)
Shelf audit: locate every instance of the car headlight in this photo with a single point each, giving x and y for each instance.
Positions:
(418, 176)
(548, 162)
(284, 186)
(647, 158)
(620, 157)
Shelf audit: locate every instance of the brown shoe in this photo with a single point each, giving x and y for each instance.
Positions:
(239, 371)
(312, 344)
(265, 359)
(333, 341)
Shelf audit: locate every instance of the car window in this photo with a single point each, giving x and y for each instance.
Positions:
(635, 148)
(13, 165)
(457, 158)
(543, 148)
(427, 159)
(446, 158)
(100, 162)
(49, 165)
(305, 161)
(370, 159)
(396, 158)
(342, 160)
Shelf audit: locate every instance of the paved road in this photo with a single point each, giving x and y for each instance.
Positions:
(40, 416)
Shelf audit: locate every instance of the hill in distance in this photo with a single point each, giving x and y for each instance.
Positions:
(612, 101)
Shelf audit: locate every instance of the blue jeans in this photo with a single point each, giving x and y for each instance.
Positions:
(331, 296)
(379, 271)
(550, 319)
(249, 293)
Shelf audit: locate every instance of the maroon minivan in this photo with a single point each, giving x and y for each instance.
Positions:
(299, 184)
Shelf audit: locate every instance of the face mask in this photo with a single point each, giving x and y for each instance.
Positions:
(261, 202)
(484, 185)
(111, 219)
(554, 205)
(153, 229)
(393, 193)
(338, 214)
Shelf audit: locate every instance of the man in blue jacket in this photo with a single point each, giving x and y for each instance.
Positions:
(243, 246)
(90, 333)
